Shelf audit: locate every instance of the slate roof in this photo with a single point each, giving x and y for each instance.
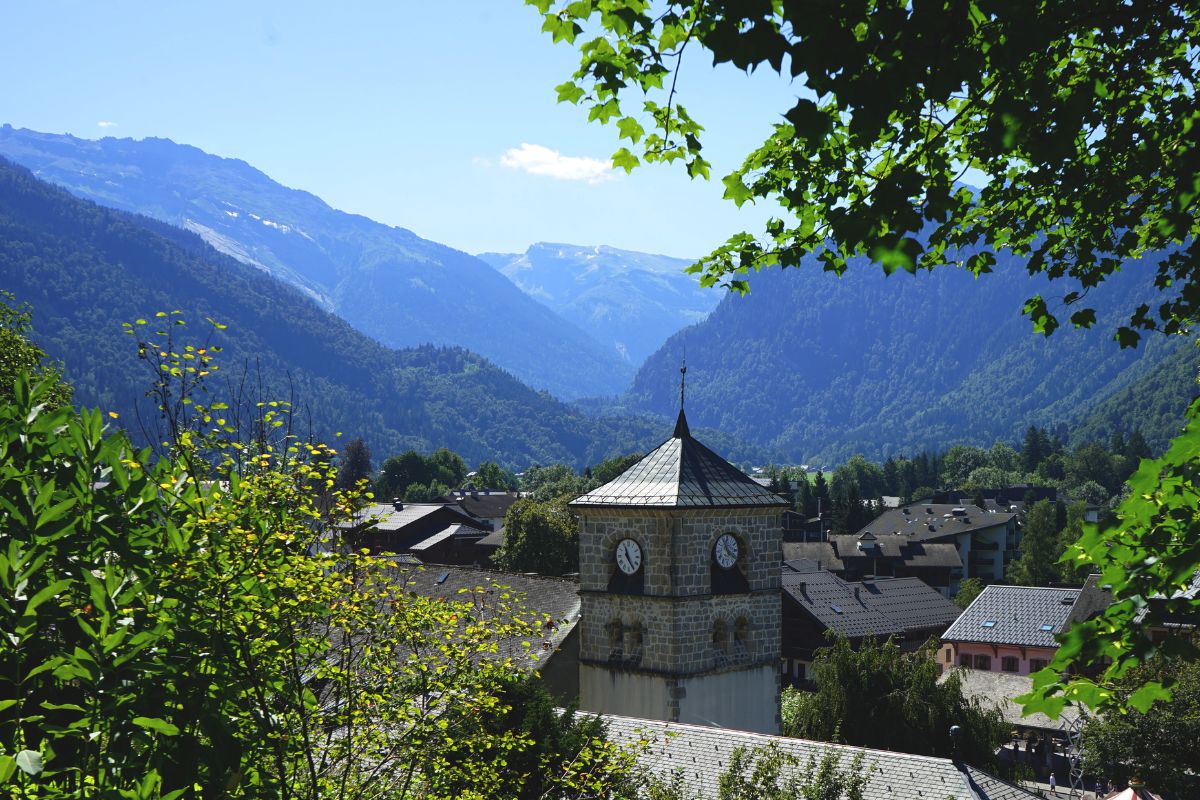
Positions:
(449, 532)
(389, 519)
(701, 754)
(933, 521)
(911, 550)
(554, 600)
(801, 565)
(489, 504)
(997, 690)
(881, 607)
(1023, 616)
(820, 552)
(680, 473)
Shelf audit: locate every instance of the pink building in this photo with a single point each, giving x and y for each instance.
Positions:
(1012, 628)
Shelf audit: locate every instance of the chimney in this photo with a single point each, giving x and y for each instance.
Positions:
(397, 504)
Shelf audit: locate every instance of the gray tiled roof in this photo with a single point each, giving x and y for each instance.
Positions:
(911, 550)
(1018, 615)
(700, 754)
(881, 607)
(820, 552)
(997, 690)
(389, 519)
(554, 601)
(449, 532)
(490, 504)
(681, 473)
(933, 521)
(801, 565)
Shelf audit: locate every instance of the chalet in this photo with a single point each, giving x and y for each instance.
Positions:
(815, 601)
(866, 555)
(433, 532)
(986, 540)
(1012, 628)
(485, 504)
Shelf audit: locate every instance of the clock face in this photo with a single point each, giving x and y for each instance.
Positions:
(629, 556)
(726, 551)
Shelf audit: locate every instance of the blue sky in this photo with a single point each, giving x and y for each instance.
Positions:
(436, 116)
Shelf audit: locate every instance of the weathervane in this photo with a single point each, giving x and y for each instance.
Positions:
(682, 383)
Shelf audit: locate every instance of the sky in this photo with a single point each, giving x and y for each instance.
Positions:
(436, 116)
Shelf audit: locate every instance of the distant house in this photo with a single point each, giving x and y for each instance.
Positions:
(432, 532)
(866, 555)
(486, 504)
(816, 601)
(1012, 628)
(986, 540)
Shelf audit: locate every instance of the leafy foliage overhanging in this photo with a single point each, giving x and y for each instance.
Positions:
(1080, 116)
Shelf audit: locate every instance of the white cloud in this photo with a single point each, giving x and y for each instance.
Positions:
(538, 160)
(105, 124)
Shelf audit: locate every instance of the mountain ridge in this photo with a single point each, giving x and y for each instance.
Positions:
(628, 300)
(85, 269)
(387, 281)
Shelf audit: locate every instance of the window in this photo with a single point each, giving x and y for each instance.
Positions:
(741, 638)
(1037, 663)
(1010, 664)
(983, 661)
(616, 640)
(1046, 628)
(989, 623)
(964, 660)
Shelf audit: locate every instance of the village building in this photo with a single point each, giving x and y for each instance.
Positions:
(1012, 628)
(815, 602)
(679, 576)
(432, 533)
(865, 556)
(487, 504)
(986, 541)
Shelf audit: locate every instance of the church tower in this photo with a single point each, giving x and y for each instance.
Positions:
(679, 573)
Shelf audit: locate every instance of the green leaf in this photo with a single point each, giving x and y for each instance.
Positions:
(623, 159)
(1145, 697)
(157, 725)
(735, 190)
(8, 765)
(30, 762)
(630, 129)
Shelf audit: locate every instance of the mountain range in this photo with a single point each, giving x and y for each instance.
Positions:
(629, 301)
(85, 269)
(387, 282)
(807, 367)
(820, 367)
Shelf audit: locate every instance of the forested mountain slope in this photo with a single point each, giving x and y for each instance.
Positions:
(630, 301)
(824, 367)
(85, 269)
(387, 282)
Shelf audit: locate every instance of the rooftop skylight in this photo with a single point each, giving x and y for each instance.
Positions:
(989, 623)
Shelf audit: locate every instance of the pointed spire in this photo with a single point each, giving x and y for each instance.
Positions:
(681, 426)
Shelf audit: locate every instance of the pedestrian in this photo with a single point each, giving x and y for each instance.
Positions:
(1053, 783)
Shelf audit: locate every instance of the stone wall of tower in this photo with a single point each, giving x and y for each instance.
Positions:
(677, 627)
